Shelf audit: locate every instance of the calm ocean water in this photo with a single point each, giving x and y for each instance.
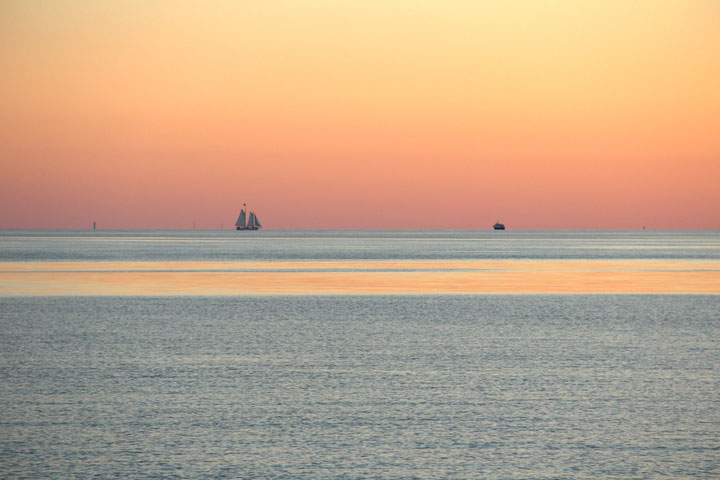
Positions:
(273, 245)
(358, 386)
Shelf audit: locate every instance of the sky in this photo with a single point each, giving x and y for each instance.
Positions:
(406, 114)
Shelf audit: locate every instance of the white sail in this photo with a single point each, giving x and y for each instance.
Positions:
(241, 219)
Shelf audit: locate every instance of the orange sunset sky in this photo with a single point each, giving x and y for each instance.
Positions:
(360, 114)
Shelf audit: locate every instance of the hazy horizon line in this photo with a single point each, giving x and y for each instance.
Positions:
(599, 229)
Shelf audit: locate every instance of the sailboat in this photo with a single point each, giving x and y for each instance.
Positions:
(243, 223)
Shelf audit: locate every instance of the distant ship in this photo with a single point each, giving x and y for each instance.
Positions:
(499, 226)
(252, 223)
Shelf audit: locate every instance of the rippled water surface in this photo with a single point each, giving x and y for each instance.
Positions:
(274, 245)
(152, 263)
(230, 384)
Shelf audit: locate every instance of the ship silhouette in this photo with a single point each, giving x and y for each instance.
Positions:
(252, 222)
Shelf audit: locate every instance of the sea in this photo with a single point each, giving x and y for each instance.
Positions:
(279, 354)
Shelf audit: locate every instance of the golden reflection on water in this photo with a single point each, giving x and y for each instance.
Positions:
(359, 277)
